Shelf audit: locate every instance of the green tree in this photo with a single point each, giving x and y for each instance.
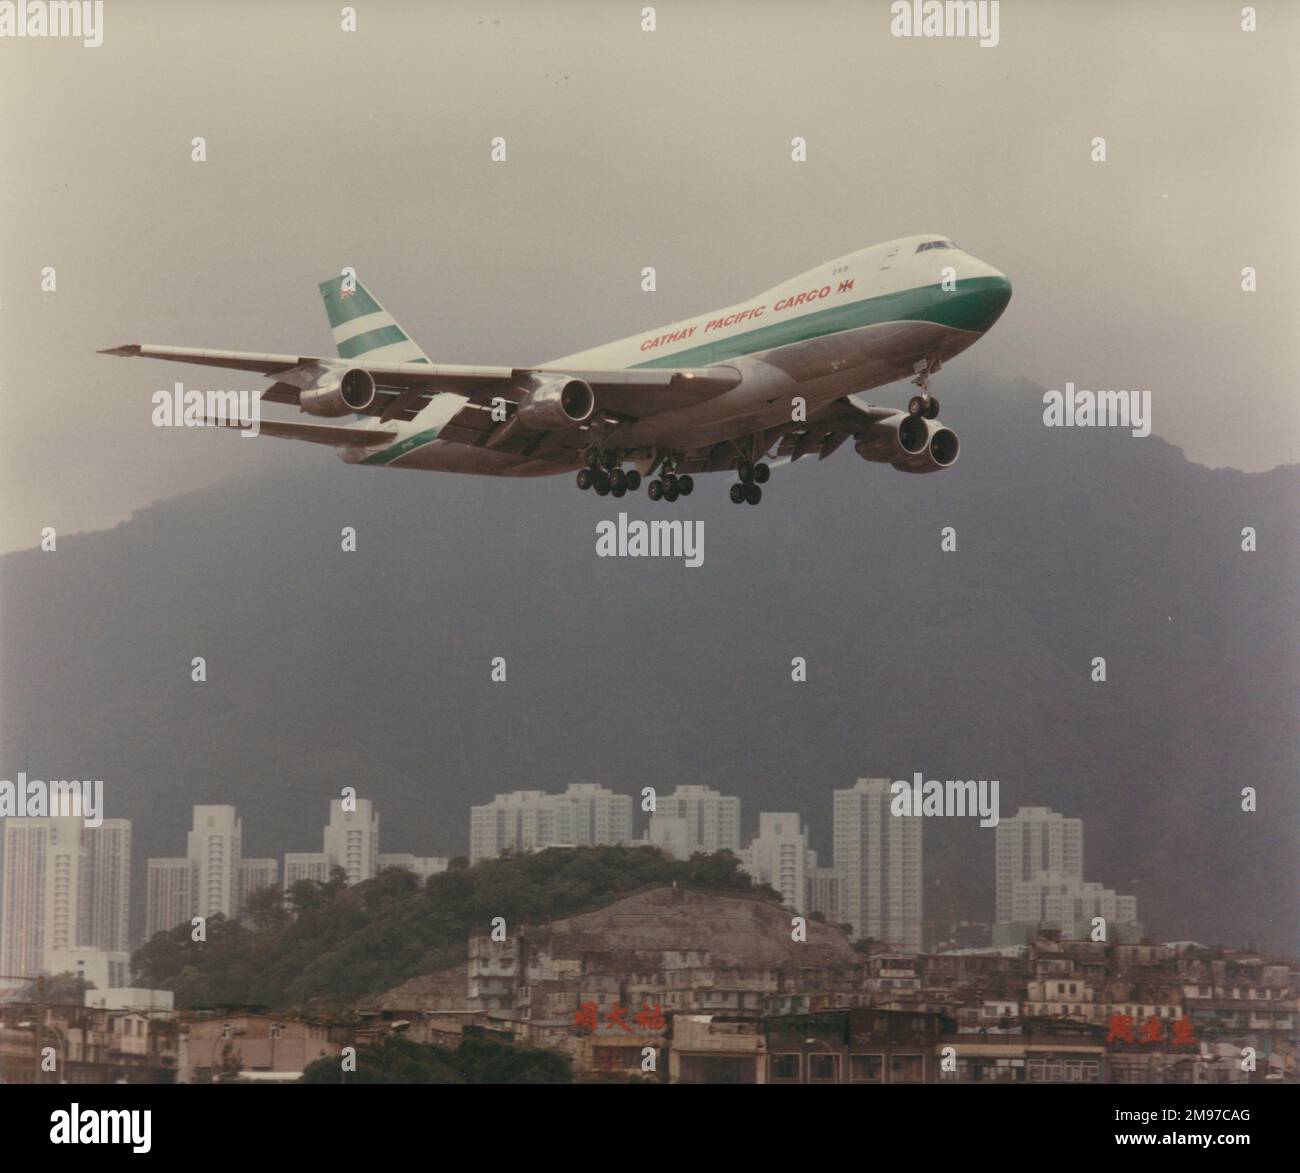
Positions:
(331, 943)
(397, 1059)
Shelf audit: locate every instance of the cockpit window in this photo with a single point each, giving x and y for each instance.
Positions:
(928, 244)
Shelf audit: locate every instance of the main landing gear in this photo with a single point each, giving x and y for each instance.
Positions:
(605, 476)
(670, 486)
(752, 474)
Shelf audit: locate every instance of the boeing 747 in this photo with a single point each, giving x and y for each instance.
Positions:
(773, 378)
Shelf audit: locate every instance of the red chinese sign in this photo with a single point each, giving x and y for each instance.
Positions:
(1151, 1031)
(647, 1018)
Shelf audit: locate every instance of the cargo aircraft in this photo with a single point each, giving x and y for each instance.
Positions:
(772, 378)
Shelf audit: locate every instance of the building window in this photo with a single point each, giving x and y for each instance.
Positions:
(866, 1068)
(821, 1068)
(906, 1068)
(785, 1067)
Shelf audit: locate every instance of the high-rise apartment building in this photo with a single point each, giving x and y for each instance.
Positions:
(878, 859)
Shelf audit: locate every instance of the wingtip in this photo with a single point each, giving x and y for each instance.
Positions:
(130, 349)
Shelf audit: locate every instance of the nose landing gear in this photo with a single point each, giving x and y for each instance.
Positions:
(924, 404)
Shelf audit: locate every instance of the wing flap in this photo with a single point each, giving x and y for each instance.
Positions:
(331, 434)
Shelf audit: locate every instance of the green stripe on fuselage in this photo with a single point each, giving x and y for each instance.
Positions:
(974, 305)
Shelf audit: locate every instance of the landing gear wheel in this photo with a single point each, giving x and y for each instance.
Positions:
(601, 483)
(753, 494)
(672, 491)
(921, 405)
(932, 412)
(633, 480)
(761, 473)
(737, 493)
(618, 481)
(619, 491)
(655, 490)
(585, 478)
(685, 485)
(745, 470)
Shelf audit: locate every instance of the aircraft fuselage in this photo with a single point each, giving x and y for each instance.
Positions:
(861, 321)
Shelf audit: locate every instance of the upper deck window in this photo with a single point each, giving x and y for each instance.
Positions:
(925, 244)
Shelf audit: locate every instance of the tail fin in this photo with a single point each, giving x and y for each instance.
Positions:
(362, 327)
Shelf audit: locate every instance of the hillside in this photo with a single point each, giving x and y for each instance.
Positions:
(371, 668)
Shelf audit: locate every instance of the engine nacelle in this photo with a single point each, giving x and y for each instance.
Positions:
(558, 402)
(335, 395)
(909, 443)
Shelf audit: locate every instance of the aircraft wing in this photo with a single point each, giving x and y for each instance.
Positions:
(331, 434)
(824, 431)
(405, 388)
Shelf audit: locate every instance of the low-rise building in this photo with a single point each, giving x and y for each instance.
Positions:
(236, 1046)
(717, 1048)
(855, 1046)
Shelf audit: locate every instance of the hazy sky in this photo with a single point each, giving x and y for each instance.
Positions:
(628, 149)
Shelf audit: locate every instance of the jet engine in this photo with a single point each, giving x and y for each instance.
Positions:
(558, 402)
(336, 395)
(909, 443)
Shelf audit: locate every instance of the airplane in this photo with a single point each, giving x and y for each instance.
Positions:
(775, 377)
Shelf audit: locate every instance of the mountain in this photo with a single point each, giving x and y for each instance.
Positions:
(327, 668)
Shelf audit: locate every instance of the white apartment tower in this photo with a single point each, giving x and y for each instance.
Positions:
(1036, 841)
(352, 838)
(1040, 874)
(878, 858)
(213, 846)
(305, 865)
(169, 897)
(65, 890)
(107, 880)
(712, 820)
(778, 856)
(586, 814)
(255, 874)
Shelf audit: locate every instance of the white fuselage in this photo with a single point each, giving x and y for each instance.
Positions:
(863, 320)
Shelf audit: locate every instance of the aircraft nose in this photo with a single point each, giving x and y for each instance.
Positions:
(989, 292)
(998, 292)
